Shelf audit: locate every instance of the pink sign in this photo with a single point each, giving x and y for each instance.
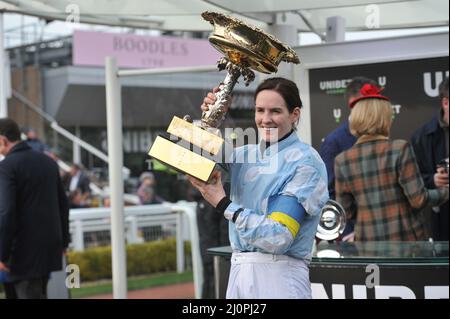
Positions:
(136, 51)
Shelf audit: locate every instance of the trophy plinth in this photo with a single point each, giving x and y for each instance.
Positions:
(246, 49)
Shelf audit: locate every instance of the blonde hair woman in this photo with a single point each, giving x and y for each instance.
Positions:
(378, 181)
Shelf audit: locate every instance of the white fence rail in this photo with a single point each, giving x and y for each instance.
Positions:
(169, 219)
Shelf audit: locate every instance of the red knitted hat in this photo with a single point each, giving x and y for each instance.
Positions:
(369, 91)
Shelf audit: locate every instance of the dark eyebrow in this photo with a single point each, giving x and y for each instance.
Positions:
(275, 108)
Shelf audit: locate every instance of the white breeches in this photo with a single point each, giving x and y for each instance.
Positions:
(255, 275)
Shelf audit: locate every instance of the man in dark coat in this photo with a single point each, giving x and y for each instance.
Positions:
(431, 145)
(79, 181)
(33, 141)
(34, 214)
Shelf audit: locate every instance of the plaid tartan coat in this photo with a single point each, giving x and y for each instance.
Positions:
(379, 184)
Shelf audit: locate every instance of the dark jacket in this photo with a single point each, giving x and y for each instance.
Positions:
(83, 183)
(34, 214)
(37, 145)
(429, 146)
(334, 144)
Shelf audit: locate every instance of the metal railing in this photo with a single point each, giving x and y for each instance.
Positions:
(77, 142)
(92, 226)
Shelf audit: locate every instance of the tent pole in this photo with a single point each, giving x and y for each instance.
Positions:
(115, 154)
(3, 104)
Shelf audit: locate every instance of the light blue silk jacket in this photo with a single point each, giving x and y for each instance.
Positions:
(287, 168)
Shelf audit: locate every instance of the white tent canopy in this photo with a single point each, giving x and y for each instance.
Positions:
(306, 15)
(393, 14)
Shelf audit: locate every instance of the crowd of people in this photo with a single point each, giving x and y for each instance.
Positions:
(378, 180)
(35, 199)
(388, 188)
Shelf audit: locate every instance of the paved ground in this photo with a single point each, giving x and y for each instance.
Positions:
(178, 291)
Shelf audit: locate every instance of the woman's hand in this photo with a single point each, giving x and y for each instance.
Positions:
(213, 192)
(211, 98)
(441, 178)
(3, 267)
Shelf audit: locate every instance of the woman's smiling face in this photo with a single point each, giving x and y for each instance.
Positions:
(272, 115)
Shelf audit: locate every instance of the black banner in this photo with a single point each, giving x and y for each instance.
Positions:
(379, 281)
(412, 86)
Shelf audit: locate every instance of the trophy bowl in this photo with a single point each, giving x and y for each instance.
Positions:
(248, 46)
(332, 221)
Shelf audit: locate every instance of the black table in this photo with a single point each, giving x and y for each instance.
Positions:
(366, 270)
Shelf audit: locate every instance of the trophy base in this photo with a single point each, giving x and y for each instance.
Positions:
(195, 135)
(189, 149)
(182, 159)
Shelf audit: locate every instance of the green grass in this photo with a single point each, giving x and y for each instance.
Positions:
(134, 283)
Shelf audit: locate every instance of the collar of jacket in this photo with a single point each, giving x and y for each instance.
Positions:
(21, 146)
(441, 121)
(370, 138)
(433, 126)
(285, 141)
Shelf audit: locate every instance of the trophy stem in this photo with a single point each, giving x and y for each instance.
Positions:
(216, 112)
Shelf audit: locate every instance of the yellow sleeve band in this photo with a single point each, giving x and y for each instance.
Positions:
(287, 221)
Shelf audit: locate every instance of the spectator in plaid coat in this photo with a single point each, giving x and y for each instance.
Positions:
(378, 181)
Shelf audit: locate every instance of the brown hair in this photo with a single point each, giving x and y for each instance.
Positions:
(286, 88)
(9, 129)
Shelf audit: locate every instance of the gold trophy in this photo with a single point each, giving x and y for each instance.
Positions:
(191, 149)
